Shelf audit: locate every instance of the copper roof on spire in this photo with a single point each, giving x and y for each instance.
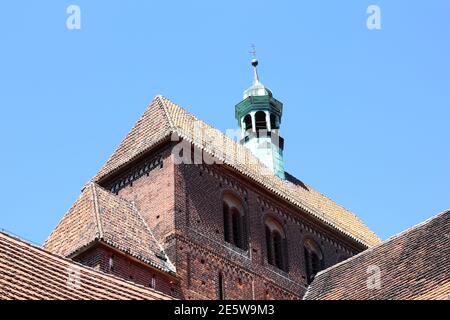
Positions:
(257, 88)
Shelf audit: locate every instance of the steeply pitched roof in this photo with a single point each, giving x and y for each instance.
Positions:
(413, 265)
(28, 272)
(99, 215)
(163, 117)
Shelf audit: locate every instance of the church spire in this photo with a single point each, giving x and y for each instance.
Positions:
(259, 116)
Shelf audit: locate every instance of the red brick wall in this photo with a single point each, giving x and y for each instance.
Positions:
(98, 257)
(154, 195)
(202, 252)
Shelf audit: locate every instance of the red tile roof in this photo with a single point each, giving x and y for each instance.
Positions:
(28, 272)
(99, 215)
(413, 265)
(163, 117)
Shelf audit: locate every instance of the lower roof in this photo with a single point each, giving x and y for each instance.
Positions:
(101, 216)
(28, 272)
(414, 264)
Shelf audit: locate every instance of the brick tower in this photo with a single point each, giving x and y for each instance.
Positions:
(238, 228)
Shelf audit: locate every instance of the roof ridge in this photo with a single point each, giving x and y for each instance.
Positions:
(171, 265)
(66, 212)
(97, 212)
(127, 135)
(161, 100)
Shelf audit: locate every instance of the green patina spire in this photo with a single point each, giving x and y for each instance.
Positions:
(259, 117)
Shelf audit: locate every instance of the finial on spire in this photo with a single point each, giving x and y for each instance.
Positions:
(255, 72)
(254, 64)
(253, 52)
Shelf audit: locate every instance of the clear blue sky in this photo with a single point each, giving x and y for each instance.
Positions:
(366, 112)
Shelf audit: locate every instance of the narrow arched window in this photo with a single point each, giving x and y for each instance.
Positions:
(313, 259)
(278, 249)
(276, 245)
(260, 120)
(237, 227)
(234, 222)
(226, 222)
(248, 122)
(221, 287)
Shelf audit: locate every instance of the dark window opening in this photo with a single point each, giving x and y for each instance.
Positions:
(260, 121)
(273, 122)
(248, 122)
(221, 287)
(276, 245)
(269, 246)
(226, 222)
(278, 250)
(234, 224)
(315, 264)
(308, 267)
(235, 218)
(313, 260)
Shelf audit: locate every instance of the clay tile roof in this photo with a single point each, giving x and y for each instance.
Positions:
(413, 265)
(99, 215)
(163, 117)
(28, 272)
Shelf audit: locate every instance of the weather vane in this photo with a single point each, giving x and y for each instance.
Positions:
(253, 52)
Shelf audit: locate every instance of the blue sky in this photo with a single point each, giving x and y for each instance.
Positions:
(365, 112)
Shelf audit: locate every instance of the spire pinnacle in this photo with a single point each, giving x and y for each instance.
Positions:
(254, 64)
(255, 71)
(257, 88)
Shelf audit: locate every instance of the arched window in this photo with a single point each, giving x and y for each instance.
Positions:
(234, 222)
(273, 122)
(221, 287)
(260, 120)
(276, 244)
(248, 122)
(313, 259)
